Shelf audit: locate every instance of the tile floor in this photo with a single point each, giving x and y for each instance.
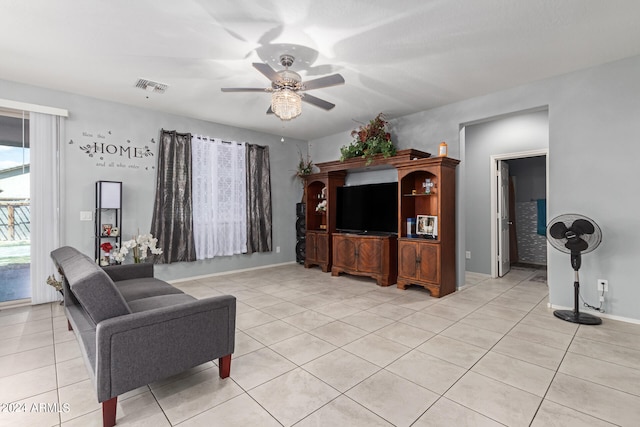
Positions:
(316, 350)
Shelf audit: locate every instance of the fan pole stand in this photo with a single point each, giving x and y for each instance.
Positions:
(575, 316)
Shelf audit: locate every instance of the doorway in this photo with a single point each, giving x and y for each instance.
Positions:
(519, 210)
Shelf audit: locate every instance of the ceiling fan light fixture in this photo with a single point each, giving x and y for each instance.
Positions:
(286, 104)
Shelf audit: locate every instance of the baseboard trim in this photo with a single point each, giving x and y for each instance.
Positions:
(596, 313)
(224, 273)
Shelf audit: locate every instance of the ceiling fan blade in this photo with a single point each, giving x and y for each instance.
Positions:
(582, 226)
(332, 80)
(243, 89)
(270, 111)
(266, 70)
(558, 230)
(310, 99)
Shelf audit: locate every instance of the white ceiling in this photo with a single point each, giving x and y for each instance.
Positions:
(397, 57)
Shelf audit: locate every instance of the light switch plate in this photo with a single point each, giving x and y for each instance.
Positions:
(86, 216)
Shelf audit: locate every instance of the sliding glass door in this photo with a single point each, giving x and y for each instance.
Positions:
(15, 204)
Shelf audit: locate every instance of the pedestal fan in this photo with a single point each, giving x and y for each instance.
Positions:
(576, 235)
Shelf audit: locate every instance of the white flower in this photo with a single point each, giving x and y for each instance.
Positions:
(140, 245)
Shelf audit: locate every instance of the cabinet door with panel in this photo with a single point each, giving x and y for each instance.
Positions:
(370, 255)
(344, 249)
(419, 264)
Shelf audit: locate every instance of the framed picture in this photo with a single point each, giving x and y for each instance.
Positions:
(106, 229)
(427, 226)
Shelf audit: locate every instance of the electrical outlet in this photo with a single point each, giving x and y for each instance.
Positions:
(468, 254)
(603, 285)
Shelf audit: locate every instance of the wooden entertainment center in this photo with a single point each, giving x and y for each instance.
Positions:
(426, 187)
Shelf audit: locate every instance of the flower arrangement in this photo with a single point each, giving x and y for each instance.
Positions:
(322, 206)
(370, 139)
(140, 245)
(106, 247)
(305, 167)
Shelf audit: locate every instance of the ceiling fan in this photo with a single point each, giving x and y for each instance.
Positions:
(287, 87)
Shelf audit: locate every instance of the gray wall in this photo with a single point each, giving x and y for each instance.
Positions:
(517, 133)
(135, 127)
(530, 177)
(593, 152)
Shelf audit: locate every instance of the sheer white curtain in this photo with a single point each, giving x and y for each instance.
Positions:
(45, 134)
(219, 189)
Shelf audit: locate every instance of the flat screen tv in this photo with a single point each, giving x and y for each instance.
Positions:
(370, 208)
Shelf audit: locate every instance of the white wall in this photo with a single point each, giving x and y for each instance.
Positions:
(121, 125)
(593, 152)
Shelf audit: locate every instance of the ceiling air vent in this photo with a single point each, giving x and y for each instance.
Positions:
(151, 86)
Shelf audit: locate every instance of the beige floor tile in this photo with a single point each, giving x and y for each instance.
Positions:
(541, 336)
(367, 321)
(601, 372)
(241, 411)
(404, 334)
(514, 372)
(293, 396)
(447, 311)
(376, 349)
(362, 302)
(528, 351)
(427, 371)
(259, 367)
(608, 352)
(338, 333)
(25, 342)
(263, 301)
(81, 397)
(245, 344)
(273, 332)
(496, 400)
(308, 320)
(26, 384)
(338, 310)
(550, 322)
(609, 336)
(453, 351)
(340, 369)
(24, 361)
(343, 411)
(71, 371)
(252, 319)
(501, 312)
(393, 398)
(489, 323)
(553, 415)
(302, 348)
(391, 311)
(447, 413)
(595, 400)
(427, 322)
(283, 309)
(26, 328)
(469, 334)
(187, 397)
(67, 350)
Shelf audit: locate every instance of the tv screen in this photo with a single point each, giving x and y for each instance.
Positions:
(368, 208)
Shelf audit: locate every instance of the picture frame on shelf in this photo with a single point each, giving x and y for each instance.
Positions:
(427, 226)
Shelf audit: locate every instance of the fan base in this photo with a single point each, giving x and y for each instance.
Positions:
(581, 318)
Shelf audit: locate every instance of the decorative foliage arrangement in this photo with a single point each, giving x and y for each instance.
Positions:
(370, 139)
(140, 245)
(305, 167)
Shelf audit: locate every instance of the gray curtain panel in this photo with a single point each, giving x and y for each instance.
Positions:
(172, 221)
(258, 199)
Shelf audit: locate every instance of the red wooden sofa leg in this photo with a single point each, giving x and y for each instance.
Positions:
(224, 366)
(109, 412)
(69, 327)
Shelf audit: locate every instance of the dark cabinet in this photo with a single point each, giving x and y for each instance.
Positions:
(365, 255)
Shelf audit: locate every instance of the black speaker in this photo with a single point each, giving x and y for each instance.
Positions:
(301, 230)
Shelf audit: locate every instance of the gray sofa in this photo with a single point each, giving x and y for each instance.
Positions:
(134, 329)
